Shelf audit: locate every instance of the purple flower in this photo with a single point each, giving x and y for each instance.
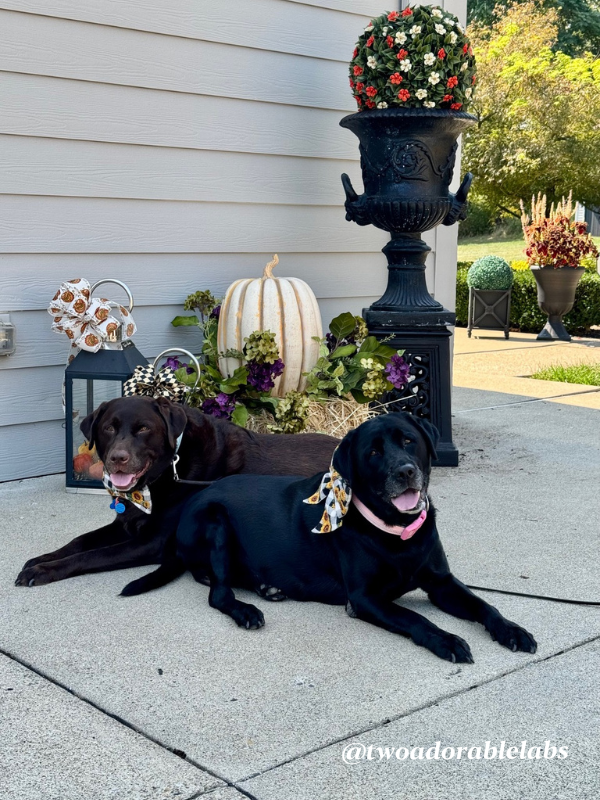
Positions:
(173, 363)
(397, 371)
(222, 406)
(215, 312)
(262, 376)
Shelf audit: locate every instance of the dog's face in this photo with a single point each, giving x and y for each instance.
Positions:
(387, 461)
(135, 437)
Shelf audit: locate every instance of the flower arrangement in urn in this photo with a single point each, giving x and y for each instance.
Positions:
(416, 58)
(555, 247)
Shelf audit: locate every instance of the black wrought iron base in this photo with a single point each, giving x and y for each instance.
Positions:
(426, 342)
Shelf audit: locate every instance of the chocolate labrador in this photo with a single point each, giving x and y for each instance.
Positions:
(137, 439)
(361, 536)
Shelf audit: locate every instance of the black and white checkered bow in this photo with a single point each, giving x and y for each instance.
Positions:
(163, 384)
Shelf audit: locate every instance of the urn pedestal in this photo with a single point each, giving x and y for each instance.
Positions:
(407, 161)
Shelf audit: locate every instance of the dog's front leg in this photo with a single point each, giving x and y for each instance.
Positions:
(453, 597)
(101, 537)
(408, 623)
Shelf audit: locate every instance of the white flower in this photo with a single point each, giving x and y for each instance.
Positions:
(429, 59)
(421, 93)
(449, 22)
(369, 28)
(468, 92)
(437, 13)
(463, 66)
(372, 62)
(440, 29)
(400, 37)
(429, 104)
(405, 65)
(434, 78)
(382, 105)
(385, 30)
(453, 38)
(460, 27)
(367, 363)
(415, 30)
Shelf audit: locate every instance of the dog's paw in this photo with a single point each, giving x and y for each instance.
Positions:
(271, 593)
(247, 616)
(37, 575)
(449, 647)
(513, 636)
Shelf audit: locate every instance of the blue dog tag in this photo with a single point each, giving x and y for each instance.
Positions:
(118, 507)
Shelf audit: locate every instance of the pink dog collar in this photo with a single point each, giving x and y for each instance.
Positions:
(397, 530)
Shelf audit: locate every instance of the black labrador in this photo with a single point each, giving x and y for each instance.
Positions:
(136, 438)
(249, 530)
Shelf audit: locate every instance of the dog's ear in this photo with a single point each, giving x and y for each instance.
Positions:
(342, 458)
(430, 434)
(89, 426)
(174, 416)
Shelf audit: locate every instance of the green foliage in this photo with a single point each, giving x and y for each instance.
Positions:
(479, 220)
(261, 347)
(537, 110)
(291, 413)
(490, 272)
(525, 314)
(588, 374)
(419, 58)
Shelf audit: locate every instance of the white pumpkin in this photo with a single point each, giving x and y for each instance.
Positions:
(285, 306)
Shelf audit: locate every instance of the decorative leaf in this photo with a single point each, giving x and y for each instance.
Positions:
(359, 396)
(180, 322)
(343, 352)
(342, 325)
(369, 345)
(240, 415)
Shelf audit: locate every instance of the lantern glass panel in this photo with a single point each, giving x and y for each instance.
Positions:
(87, 396)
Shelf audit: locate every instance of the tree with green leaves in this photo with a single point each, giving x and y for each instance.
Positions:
(537, 112)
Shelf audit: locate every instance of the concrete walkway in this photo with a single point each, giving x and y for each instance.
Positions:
(162, 697)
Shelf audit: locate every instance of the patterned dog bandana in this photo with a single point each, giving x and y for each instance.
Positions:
(337, 494)
(87, 321)
(140, 498)
(163, 384)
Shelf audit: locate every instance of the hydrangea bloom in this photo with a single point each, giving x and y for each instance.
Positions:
(397, 372)
(221, 406)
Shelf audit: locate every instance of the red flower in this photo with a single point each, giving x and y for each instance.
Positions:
(473, 79)
(351, 83)
(452, 82)
(407, 12)
(396, 78)
(357, 70)
(456, 106)
(441, 53)
(370, 41)
(358, 100)
(393, 16)
(447, 98)
(370, 104)
(371, 91)
(402, 54)
(389, 41)
(403, 94)
(359, 87)
(355, 53)
(465, 48)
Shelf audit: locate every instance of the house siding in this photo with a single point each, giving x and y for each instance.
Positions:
(173, 147)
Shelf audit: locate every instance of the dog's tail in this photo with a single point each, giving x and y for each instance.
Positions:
(166, 573)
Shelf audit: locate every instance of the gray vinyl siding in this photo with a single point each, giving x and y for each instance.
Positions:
(175, 146)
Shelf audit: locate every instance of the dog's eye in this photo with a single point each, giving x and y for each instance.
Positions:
(143, 429)
(407, 441)
(109, 429)
(374, 453)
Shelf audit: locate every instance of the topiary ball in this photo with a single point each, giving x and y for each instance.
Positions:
(491, 273)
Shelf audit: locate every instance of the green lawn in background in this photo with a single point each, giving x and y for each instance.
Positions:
(576, 373)
(494, 245)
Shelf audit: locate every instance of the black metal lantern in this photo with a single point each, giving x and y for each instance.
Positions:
(91, 379)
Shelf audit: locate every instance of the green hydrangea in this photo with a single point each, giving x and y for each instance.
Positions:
(291, 413)
(261, 347)
(204, 301)
(375, 384)
(491, 273)
(360, 331)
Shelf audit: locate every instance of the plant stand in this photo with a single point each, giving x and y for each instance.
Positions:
(489, 309)
(407, 160)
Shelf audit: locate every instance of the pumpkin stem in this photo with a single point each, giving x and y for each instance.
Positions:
(268, 273)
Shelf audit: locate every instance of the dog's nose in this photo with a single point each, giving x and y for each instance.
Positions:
(120, 457)
(406, 471)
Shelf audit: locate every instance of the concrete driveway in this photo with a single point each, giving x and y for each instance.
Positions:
(160, 696)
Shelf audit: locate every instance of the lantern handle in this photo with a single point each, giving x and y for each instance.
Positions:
(186, 353)
(119, 283)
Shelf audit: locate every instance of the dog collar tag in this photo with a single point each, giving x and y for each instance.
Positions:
(118, 507)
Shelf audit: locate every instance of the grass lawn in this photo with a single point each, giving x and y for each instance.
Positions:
(511, 249)
(576, 373)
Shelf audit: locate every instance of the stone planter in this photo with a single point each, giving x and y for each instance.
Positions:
(556, 295)
(489, 309)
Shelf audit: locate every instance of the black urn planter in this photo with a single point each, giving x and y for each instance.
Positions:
(556, 295)
(407, 161)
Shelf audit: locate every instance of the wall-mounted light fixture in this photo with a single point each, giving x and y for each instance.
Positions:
(7, 336)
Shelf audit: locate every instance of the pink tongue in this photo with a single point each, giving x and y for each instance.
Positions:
(407, 500)
(121, 479)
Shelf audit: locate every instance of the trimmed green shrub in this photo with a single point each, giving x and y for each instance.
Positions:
(491, 273)
(524, 312)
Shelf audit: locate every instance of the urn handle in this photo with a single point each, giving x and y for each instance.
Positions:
(458, 209)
